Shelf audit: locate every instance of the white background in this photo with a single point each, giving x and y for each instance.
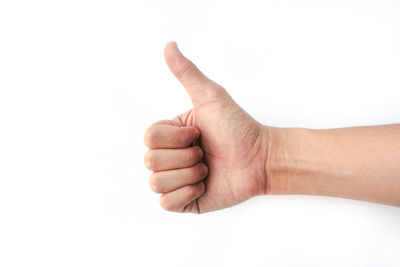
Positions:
(80, 81)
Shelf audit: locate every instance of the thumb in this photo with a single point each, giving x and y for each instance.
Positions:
(200, 89)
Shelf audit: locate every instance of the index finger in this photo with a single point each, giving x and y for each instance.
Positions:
(170, 136)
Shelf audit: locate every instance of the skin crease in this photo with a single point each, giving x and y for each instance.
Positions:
(215, 155)
(231, 140)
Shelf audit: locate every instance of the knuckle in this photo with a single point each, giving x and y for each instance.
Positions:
(155, 183)
(165, 204)
(150, 160)
(216, 92)
(150, 137)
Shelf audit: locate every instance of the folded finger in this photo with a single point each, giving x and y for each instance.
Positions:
(177, 200)
(170, 136)
(170, 159)
(166, 181)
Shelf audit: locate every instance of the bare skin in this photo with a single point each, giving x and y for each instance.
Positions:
(216, 156)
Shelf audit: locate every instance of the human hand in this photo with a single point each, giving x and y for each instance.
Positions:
(228, 163)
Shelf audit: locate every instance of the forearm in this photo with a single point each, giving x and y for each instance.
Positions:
(359, 163)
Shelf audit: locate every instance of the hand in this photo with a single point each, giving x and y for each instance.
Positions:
(227, 163)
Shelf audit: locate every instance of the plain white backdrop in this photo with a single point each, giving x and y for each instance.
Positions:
(80, 81)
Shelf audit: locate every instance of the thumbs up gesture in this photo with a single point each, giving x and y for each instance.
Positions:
(211, 157)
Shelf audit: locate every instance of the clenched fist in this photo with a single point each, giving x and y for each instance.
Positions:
(210, 157)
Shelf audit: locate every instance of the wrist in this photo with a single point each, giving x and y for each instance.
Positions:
(286, 162)
(275, 180)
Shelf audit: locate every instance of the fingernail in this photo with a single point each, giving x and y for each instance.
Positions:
(196, 133)
(200, 153)
(204, 170)
(202, 186)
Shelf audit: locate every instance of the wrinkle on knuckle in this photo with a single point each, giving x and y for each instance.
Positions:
(185, 69)
(184, 139)
(189, 156)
